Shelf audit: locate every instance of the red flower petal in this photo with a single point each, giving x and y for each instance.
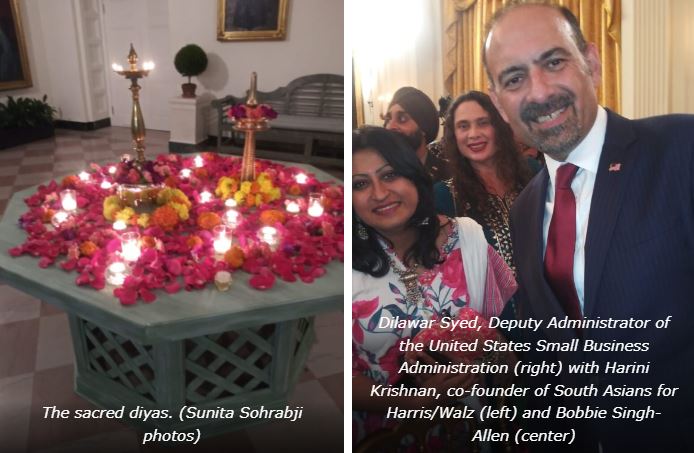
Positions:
(126, 296)
(172, 287)
(174, 266)
(147, 295)
(261, 281)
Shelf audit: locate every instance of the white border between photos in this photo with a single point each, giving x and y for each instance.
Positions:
(347, 164)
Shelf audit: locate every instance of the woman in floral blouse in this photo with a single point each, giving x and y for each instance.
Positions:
(411, 264)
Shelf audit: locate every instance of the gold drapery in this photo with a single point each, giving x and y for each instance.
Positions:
(463, 37)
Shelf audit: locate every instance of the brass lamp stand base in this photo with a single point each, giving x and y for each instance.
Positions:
(249, 126)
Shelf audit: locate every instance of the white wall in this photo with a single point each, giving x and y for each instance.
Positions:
(57, 58)
(314, 44)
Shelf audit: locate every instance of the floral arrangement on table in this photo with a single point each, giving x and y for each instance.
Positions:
(177, 243)
(129, 171)
(241, 111)
(250, 193)
(173, 207)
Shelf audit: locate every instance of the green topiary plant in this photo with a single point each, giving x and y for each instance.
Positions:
(190, 61)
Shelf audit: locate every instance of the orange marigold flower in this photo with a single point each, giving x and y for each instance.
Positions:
(250, 201)
(208, 220)
(255, 187)
(47, 215)
(294, 189)
(200, 172)
(165, 217)
(71, 181)
(171, 182)
(271, 217)
(148, 241)
(234, 257)
(193, 241)
(88, 248)
(267, 197)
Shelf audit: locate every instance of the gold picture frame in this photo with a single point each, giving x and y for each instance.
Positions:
(250, 20)
(14, 66)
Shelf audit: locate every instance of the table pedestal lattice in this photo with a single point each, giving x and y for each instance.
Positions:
(204, 348)
(251, 366)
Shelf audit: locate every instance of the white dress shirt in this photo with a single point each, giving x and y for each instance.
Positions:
(586, 156)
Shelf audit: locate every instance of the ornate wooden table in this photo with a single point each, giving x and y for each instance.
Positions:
(205, 349)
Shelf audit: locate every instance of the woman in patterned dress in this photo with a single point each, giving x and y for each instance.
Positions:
(488, 170)
(408, 264)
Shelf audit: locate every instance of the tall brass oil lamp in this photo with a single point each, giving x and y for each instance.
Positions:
(249, 126)
(137, 122)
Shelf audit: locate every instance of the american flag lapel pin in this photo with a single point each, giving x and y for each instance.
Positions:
(615, 166)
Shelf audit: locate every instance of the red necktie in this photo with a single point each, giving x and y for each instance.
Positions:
(561, 242)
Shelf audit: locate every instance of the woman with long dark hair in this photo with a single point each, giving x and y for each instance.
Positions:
(408, 264)
(488, 170)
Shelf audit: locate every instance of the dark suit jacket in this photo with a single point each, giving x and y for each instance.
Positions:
(639, 257)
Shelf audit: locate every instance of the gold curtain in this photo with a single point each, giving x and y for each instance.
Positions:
(463, 37)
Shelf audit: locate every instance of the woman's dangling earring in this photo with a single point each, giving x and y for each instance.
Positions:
(362, 233)
(424, 222)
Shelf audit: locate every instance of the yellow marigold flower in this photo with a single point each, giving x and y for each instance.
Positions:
(234, 257)
(143, 220)
(265, 185)
(169, 194)
(180, 197)
(246, 186)
(181, 210)
(239, 196)
(112, 200)
(165, 195)
(125, 214)
(110, 212)
(221, 191)
(225, 187)
(88, 248)
(208, 220)
(275, 193)
(111, 206)
(258, 199)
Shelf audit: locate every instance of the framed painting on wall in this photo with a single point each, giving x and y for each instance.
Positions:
(14, 64)
(247, 20)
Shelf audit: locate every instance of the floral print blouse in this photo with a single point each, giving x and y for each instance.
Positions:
(375, 352)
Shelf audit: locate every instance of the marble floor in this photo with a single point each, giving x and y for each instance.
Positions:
(36, 358)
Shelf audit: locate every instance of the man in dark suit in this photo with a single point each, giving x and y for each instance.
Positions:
(606, 230)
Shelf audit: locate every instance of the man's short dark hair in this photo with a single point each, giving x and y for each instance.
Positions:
(566, 13)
